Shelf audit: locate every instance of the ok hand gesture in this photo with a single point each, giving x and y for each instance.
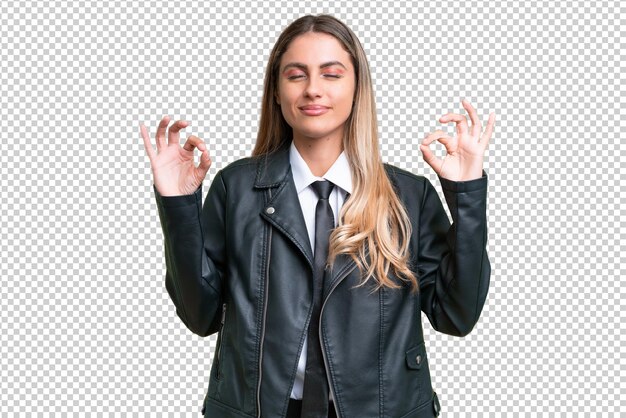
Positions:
(173, 167)
(464, 158)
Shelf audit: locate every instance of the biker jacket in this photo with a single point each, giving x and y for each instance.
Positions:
(241, 265)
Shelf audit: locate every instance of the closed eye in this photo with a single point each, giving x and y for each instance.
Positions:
(293, 77)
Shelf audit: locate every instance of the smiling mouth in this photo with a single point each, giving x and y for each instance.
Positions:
(313, 107)
(313, 110)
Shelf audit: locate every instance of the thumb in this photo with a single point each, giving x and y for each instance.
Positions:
(430, 158)
(205, 162)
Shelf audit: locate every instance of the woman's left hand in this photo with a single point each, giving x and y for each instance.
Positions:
(464, 158)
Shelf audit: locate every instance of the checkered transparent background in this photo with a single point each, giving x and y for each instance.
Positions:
(86, 325)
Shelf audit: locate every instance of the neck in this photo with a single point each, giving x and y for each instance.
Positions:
(318, 153)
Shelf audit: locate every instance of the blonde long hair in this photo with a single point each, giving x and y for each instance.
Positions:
(373, 217)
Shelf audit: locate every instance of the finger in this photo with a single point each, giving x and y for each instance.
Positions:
(194, 142)
(433, 136)
(460, 120)
(173, 133)
(489, 129)
(477, 127)
(441, 137)
(160, 133)
(146, 141)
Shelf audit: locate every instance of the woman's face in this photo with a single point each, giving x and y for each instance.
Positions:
(316, 84)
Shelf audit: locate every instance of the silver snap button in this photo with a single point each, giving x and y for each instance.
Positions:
(270, 210)
(418, 359)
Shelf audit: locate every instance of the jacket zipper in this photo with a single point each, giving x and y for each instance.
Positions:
(265, 296)
(219, 342)
(330, 383)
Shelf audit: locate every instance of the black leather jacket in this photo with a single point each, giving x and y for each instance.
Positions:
(241, 265)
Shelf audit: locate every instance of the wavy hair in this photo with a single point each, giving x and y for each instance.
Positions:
(373, 222)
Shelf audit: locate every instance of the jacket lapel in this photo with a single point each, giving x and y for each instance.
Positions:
(284, 212)
(283, 208)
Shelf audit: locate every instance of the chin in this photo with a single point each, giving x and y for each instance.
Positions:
(314, 135)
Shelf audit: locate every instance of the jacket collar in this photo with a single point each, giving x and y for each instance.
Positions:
(272, 169)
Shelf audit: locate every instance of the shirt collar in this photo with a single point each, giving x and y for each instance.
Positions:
(339, 173)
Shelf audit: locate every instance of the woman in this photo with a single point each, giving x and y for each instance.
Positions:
(312, 324)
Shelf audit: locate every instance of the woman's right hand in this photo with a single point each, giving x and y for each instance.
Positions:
(173, 167)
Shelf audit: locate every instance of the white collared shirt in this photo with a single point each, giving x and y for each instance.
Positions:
(340, 175)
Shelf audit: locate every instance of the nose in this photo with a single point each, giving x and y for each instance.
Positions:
(313, 87)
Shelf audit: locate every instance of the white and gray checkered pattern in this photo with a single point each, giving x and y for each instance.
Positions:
(86, 323)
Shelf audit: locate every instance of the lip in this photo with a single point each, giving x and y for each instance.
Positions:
(314, 110)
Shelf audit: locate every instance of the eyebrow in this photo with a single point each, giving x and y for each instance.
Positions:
(304, 66)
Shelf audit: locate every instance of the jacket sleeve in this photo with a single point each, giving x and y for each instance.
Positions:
(453, 265)
(194, 245)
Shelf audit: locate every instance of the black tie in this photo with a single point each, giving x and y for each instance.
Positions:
(315, 391)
